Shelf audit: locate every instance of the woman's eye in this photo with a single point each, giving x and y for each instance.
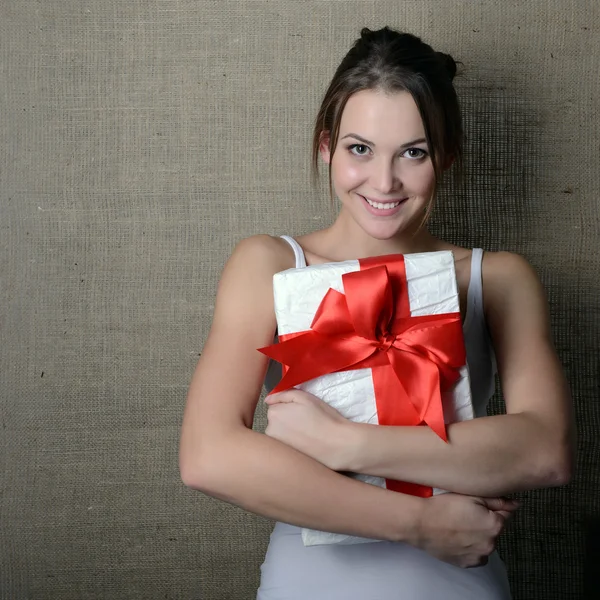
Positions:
(415, 153)
(359, 149)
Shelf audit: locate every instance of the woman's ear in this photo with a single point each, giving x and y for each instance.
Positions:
(324, 147)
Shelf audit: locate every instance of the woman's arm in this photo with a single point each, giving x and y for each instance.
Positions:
(529, 447)
(221, 455)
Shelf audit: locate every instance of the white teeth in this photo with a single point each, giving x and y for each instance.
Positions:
(381, 205)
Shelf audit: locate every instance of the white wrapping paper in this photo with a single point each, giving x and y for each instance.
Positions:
(432, 290)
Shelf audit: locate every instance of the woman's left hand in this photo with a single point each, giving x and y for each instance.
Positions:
(311, 426)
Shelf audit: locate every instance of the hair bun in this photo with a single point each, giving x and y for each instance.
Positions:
(367, 35)
(448, 62)
(384, 35)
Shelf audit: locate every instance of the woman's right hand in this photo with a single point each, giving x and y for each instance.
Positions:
(462, 530)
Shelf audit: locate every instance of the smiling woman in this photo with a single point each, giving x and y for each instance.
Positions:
(389, 177)
(388, 128)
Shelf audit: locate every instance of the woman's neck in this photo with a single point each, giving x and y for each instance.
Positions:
(346, 240)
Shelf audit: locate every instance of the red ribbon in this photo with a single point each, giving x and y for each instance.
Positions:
(413, 359)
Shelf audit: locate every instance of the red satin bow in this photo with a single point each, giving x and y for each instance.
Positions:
(413, 358)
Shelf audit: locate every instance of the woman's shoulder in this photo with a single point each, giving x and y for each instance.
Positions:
(496, 265)
(261, 254)
(511, 284)
(504, 267)
(502, 272)
(244, 298)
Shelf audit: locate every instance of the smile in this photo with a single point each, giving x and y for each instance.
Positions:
(383, 206)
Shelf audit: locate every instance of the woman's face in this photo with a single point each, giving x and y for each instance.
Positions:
(381, 169)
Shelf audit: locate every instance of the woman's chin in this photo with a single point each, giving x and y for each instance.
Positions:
(382, 229)
(387, 231)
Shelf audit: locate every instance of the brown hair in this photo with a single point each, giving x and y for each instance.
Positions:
(392, 61)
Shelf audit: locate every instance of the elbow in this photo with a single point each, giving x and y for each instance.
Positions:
(193, 468)
(197, 476)
(562, 464)
(558, 474)
(550, 456)
(197, 454)
(211, 465)
(206, 466)
(191, 472)
(191, 475)
(558, 467)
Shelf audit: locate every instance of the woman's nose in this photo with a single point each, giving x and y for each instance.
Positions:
(385, 178)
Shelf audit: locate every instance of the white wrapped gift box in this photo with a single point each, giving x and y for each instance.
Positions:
(432, 290)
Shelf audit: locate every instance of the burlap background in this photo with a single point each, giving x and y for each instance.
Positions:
(140, 141)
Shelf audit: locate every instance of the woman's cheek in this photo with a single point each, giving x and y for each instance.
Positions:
(418, 180)
(349, 174)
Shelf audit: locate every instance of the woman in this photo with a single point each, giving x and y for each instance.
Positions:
(388, 127)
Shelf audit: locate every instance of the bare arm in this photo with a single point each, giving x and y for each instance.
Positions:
(221, 455)
(529, 447)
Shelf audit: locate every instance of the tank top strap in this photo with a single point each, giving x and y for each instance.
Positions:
(480, 351)
(298, 252)
(475, 289)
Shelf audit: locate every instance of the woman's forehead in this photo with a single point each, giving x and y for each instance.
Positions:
(379, 114)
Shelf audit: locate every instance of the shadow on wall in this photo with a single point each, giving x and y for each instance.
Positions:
(551, 544)
(491, 207)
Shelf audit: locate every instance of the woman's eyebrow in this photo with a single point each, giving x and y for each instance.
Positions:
(369, 143)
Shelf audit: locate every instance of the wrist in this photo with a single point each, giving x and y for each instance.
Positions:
(408, 519)
(351, 447)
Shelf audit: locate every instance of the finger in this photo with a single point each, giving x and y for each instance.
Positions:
(481, 563)
(279, 398)
(512, 505)
(498, 504)
(505, 514)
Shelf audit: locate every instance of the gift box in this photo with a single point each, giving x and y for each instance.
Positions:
(381, 341)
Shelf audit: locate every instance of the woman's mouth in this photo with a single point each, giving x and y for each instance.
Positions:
(383, 209)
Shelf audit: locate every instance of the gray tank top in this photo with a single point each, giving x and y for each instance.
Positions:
(480, 353)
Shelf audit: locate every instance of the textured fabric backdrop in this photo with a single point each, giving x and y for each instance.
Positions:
(140, 141)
